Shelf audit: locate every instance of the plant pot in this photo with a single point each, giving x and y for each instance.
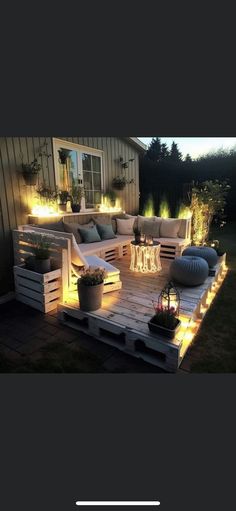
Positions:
(75, 208)
(62, 207)
(113, 202)
(42, 265)
(30, 179)
(90, 297)
(118, 186)
(161, 330)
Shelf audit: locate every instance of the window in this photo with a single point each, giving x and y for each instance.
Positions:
(81, 165)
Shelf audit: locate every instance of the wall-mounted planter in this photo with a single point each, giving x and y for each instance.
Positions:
(30, 178)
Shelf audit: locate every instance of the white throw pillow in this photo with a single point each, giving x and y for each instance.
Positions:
(182, 229)
(125, 226)
(170, 227)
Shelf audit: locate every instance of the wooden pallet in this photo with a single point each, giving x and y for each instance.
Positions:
(122, 321)
(40, 291)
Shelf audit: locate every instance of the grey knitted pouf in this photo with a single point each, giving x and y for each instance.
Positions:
(189, 270)
(207, 253)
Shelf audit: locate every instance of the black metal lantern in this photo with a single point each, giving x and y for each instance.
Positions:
(169, 297)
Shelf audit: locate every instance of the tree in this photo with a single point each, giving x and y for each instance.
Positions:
(188, 158)
(175, 154)
(165, 153)
(154, 150)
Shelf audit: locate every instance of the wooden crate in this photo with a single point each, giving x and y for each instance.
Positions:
(40, 291)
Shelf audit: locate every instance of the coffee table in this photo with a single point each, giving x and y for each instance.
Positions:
(145, 258)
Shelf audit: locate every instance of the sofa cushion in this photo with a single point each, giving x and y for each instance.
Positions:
(102, 219)
(73, 227)
(182, 229)
(169, 227)
(141, 219)
(95, 261)
(125, 226)
(53, 226)
(89, 235)
(105, 231)
(114, 220)
(151, 227)
(77, 258)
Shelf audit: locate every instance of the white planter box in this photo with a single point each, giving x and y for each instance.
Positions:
(40, 291)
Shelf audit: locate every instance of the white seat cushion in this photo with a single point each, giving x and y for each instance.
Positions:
(96, 261)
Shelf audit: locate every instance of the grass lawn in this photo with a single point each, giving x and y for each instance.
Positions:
(214, 348)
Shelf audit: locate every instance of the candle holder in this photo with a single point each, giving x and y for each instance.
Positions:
(142, 239)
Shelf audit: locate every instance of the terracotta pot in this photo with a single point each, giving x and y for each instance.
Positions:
(161, 330)
(30, 179)
(90, 297)
(63, 207)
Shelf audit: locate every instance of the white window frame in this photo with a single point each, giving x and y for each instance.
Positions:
(57, 143)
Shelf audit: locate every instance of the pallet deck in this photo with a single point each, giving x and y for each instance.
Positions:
(122, 320)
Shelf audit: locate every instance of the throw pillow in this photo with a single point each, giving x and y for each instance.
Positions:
(73, 228)
(53, 226)
(141, 219)
(114, 220)
(152, 227)
(105, 231)
(102, 219)
(182, 229)
(89, 235)
(125, 226)
(170, 227)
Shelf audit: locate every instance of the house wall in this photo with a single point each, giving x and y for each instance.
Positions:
(16, 197)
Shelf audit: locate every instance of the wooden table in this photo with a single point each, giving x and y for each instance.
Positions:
(145, 258)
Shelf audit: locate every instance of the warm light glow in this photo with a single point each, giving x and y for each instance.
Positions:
(148, 209)
(106, 207)
(40, 210)
(184, 212)
(164, 210)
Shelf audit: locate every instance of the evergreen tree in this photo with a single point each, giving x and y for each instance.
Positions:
(154, 150)
(188, 158)
(165, 153)
(175, 154)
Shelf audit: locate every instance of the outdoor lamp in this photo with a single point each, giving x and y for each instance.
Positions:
(169, 297)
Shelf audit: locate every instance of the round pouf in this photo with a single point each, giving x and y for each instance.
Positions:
(189, 270)
(207, 253)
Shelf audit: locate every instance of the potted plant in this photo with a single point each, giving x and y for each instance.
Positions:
(164, 322)
(30, 172)
(77, 192)
(63, 198)
(90, 289)
(63, 155)
(40, 262)
(110, 196)
(120, 182)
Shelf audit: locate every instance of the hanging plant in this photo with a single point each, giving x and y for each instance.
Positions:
(63, 155)
(120, 182)
(30, 172)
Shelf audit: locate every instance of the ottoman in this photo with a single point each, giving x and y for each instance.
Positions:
(189, 270)
(207, 253)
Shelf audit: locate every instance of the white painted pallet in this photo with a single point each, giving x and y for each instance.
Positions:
(122, 321)
(40, 291)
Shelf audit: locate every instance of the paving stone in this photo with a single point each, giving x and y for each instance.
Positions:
(32, 346)
(123, 363)
(98, 348)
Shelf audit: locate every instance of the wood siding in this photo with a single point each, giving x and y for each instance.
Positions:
(16, 197)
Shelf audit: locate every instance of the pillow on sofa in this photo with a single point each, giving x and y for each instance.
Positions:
(169, 227)
(125, 226)
(105, 231)
(141, 219)
(53, 226)
(152, 227)
(114, 220)
(89, 235)
(182, 229)
(73, 228)
(102, 219)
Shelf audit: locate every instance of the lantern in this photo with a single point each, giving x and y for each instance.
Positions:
(169, 297)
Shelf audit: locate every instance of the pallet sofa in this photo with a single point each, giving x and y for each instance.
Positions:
(107, 251)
